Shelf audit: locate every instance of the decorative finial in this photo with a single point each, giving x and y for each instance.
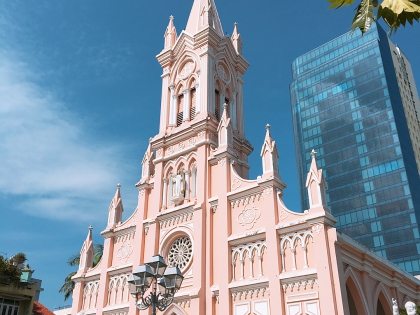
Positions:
(118, 186)
(313, 153)
(225, 105)
(150, 139)
(90, 227)
(236, 24)
(267, 127)
(171, 17)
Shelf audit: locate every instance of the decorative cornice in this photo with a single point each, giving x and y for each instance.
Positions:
(214, 202)
(246, 200)
(299, 284)
(244, 293)
(176, 216)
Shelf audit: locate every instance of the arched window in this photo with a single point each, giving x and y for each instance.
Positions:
(193, 102)
(217, 105)
(180, 110)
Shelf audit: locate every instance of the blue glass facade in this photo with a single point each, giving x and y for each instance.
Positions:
(346, 105)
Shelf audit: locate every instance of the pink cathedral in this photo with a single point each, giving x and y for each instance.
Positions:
(240, 249)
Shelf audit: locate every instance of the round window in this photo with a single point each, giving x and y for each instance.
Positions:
(180, 252)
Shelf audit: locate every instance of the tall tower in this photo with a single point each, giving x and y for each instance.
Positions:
(240, 249)
(354, 100)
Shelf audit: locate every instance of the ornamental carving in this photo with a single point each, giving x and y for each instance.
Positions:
(201, 134)
(181, 145)
(187, 69)
(192, 141)
(248, 216)
(223, 73)
(159, 152)
(125, 251)
(171, 150)
(283, 214)
(317, 228)
(180, 252)
(236, 183)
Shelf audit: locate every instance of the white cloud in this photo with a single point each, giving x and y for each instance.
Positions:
(47, 160)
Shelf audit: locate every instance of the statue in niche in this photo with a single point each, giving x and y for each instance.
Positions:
(395, 310)
(410, 308)
(178, 187)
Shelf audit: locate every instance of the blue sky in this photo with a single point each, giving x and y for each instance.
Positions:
(80, 97)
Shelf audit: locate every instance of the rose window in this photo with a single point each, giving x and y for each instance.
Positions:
(180, 252)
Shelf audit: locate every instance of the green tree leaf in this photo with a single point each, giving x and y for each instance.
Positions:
(336, 4)
(364, 16)
(397, 12)
(68, 286)
(74, 260)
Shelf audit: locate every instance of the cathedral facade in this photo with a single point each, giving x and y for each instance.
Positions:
(240, 249)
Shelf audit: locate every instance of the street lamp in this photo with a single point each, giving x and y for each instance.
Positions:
(152, 275)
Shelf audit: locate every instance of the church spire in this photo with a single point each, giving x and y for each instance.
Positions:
(86, 253)
(236, 39)
(115, 209)
(170, 34)
(269, 155)
(204, 14)
(315, 184)
(225, 129)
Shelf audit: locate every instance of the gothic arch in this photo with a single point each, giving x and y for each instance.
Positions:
(181, 159)
(169, 168)
(355, 290)
(174, 310)
(179, 88)
(381, 294)
(192, 81)
(186, 55)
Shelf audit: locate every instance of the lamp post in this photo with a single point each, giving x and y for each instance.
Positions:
(152, 275)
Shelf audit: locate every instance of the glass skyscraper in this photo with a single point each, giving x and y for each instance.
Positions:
(355, 102)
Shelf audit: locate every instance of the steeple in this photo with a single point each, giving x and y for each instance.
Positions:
(115, 209)
(315, 184)
(269, 155)
(236, 39)
(147, 164)
(204, 14)
(170, 34)
(225, 129)
(86, 253)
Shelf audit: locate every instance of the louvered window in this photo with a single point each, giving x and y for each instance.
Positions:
(180, 115)
(193, 102)
(217, 105)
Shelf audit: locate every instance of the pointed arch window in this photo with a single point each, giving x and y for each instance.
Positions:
(193, 102)
(217, 105)
(180, 110)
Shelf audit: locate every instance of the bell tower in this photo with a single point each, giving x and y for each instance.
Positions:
(202, 70)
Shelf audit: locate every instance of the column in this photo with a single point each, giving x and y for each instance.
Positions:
(251, 274)
(170, 191)
(194, 182)
(175, 109)
(197, 98)
(233, 111)
(186, 105)
(172, 114)
(164, 108)
(187, 184)
(222, 101)
(165, 193)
